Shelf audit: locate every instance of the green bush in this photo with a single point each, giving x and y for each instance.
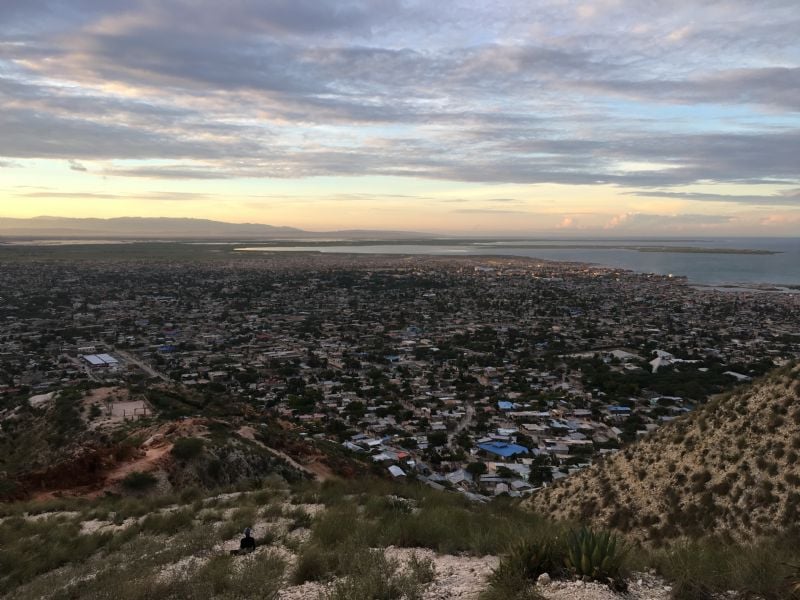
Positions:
(138, 481)
(167, 523)
(527, 560)
(372, 576)
(512, 588)
(706, 568)
(300, 519)
(186, 448)
(30, 548)
(313, 564)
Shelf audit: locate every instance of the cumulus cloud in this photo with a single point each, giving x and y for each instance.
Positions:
(567, 223)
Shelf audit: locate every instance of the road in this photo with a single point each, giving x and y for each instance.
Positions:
(464, 423)
(81, 365)
(142, 365)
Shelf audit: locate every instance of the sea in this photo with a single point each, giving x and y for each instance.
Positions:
(703, 267)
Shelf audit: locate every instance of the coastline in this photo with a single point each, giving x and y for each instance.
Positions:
(768, 266)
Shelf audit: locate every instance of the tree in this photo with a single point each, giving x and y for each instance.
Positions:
(540, 470)
(437, 438)
(506, 473)
(476, 469)
(187, 448)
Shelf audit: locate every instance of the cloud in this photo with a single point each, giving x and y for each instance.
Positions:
(780, 221)
(508, 92)
(567, 223)
(173, 172)
(654, 222)
(769, 86)
(156, 195)
(784, 198)
(74, 165)
(30, 134)
(488, 211)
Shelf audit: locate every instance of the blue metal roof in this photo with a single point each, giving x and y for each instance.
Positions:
(503, 405)
(503, 449)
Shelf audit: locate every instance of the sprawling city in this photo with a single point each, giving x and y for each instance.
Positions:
(484, 376)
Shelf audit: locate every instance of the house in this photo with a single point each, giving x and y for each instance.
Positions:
(396, 471)
(503, 449)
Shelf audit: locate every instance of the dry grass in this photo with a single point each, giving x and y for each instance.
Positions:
(730, 468)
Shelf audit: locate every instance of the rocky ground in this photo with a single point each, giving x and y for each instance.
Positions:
(465, 577)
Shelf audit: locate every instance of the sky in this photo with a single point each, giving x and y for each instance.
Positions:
(603, 117)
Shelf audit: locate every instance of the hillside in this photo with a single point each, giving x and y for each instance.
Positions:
(730, 467)
(87, 441)
(357, 540)
(152, 509)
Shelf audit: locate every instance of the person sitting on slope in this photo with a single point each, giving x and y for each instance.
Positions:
(248, 543)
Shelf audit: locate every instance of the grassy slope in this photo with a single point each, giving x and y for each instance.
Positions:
(176, 546)
(138, 539)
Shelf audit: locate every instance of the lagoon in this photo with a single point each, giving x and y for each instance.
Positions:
(713, 261)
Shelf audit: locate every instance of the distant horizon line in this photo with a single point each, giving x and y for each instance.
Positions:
(586, 234)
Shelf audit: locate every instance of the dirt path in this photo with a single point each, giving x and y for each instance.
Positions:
(145, 463)
(315, 469)
(148, 462)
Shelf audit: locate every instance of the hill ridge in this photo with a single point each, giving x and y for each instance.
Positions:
(179, 227)
(731, 468)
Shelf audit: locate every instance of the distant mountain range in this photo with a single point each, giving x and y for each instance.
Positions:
(172, 228)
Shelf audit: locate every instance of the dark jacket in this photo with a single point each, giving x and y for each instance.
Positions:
(248, 543)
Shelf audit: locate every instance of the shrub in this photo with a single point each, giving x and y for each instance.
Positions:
(421, 569)
(707, 568)
(520, 589)
(313, 564)
(168, 523)
(236, 523)
(372, 576)
(187, 448)
(528, 560)
(300, 519)
(139, 480)
(30, 548)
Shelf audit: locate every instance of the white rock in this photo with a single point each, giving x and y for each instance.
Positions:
(543, 579)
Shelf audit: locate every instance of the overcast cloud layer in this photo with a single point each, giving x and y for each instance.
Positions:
(643, 94)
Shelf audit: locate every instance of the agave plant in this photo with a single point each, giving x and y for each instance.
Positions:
(596, 555)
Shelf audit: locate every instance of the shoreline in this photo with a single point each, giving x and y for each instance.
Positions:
(154, 249)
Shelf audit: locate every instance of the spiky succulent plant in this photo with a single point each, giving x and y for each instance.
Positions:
(596, 555)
